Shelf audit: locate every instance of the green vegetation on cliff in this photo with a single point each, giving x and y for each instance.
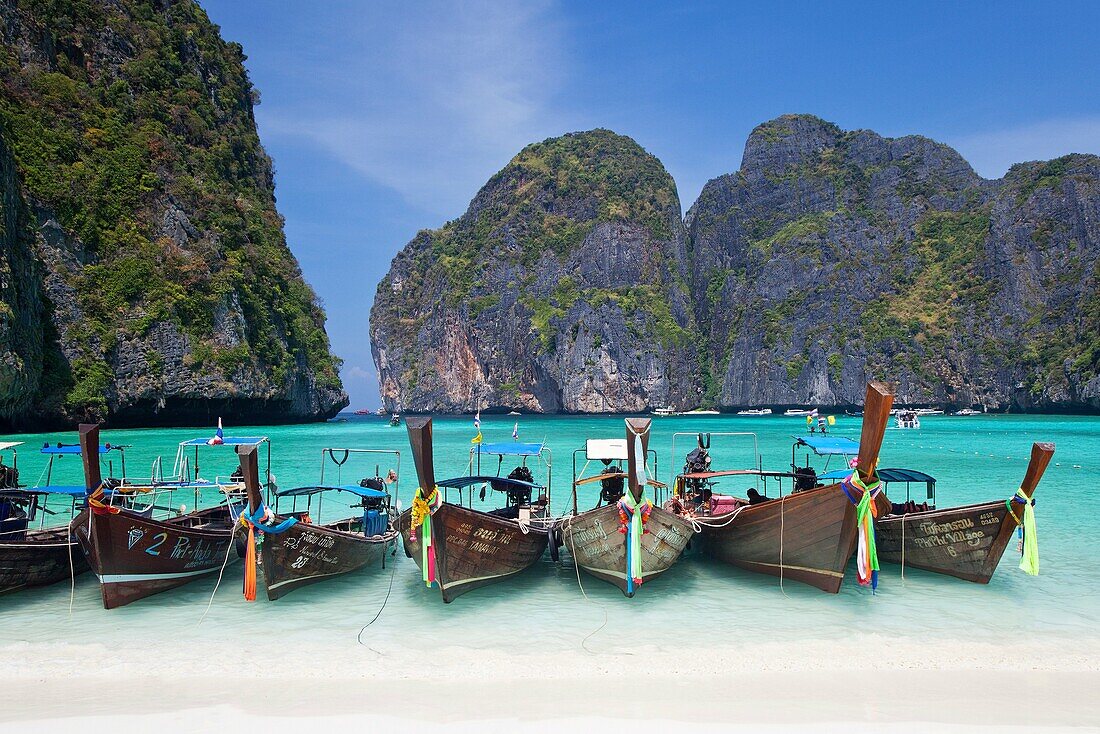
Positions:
(138, 135)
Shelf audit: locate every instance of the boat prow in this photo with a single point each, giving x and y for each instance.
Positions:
(462, 549)
(966, 542)
(600, 540)
(807, 535)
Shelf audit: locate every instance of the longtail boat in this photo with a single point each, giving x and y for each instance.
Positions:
(31, 556)
(965, 542)
(458, 548)
(295, 551)
(626, 539)
(809, 534)
(135, 555)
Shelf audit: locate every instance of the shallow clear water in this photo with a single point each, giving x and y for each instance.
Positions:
(974, 459)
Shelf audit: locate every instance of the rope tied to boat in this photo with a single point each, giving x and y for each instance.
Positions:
(1029, 550)
(262, 519)
(867, 566)
(422, 510)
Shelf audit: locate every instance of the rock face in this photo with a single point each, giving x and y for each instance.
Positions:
(836, 256)
(560, 289)
(829, 258)
(144, 275)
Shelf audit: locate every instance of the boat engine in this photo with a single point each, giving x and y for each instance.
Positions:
(520, 495)
(611, 489)
(805, 478)
(697, 462)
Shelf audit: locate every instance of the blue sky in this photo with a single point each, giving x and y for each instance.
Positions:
(384, 118)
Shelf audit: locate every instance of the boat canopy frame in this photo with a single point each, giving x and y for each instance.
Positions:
(500, 449)
(756, 471)
(889, 476)
(825, 446)
(184, 474)
(610, 450)
(329, 454)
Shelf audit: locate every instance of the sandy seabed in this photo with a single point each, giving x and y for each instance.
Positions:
(904, 686)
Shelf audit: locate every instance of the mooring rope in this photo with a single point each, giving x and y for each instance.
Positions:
(359, 637)
(577, 569)
(229, 548)
(72, 566)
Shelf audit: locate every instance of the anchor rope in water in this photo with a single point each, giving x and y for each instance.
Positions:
(903, 516)
(72, 566)
(393, 570)
(577, 569)
(221, 572)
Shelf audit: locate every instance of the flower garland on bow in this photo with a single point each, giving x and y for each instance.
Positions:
(422, 510)
(866, 511)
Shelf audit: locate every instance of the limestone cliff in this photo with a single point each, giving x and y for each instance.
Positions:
(833, 256)
(144, 275)
(830, 257)
(559, 289)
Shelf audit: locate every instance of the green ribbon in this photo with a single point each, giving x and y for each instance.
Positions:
(1030, 560)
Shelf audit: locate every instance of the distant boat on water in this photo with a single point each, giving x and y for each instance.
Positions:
(665, 412)
(700, 411)
(514, 412)
(755, 411)
(967, 411)
(928, 411)
(364, 411)
(798, 412)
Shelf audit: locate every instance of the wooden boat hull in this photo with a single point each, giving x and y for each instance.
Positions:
(43, 557)
(135, 557)
(964, 542)
(304, 554)
(807, 536)
(473, 548)
(599, 548)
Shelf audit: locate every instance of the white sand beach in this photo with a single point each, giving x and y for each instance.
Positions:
(901, 686)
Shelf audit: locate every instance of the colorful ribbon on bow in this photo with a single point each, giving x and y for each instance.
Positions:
(866, 512)
(422, 510)
(633, 517)
(262, 519)
(95, 501)
(1029, 562)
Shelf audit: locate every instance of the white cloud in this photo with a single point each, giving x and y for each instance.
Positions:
(992, 153)
(356, 372)
(433, 98)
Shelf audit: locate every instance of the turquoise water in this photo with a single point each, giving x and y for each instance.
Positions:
(974, 459)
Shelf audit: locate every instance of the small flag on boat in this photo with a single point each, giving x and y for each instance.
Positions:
(477, 427)
(219, 437)
(515, 432)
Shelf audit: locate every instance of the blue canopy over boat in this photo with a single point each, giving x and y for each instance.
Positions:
(459, 482)
(510, 448)
(73, 491)
(886, 475)
(74, 449)
(227, 441)
(365, 492)
(829, 445)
